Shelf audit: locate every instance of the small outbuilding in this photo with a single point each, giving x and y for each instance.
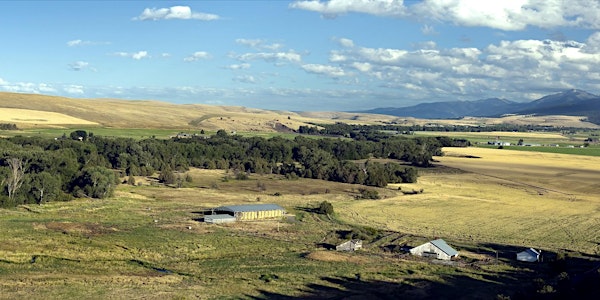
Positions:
(251, 211)
(438, 249)
(351, 245)
(529, 255)
(218, 219)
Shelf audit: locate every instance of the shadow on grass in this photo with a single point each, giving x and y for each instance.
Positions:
(453, 287)
(526, 282)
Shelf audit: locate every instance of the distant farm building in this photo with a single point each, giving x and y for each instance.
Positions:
(436, 249)
(529, 255)
(351, 245)
(498, 143)
(251, 211)
(218, 219)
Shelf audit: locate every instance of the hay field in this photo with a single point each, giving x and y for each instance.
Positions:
(27, 118)
(527, 199)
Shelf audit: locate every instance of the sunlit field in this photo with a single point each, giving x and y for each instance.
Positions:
(148, 242)
(500, 196)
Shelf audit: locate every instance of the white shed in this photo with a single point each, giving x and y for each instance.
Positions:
(436, 249)
(351, 245)
(529, 255)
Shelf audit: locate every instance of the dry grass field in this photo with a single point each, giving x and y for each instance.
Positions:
(502, 197)
(163, 115)
(36, 118)
(146, 242)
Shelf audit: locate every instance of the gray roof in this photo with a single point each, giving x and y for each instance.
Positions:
(249, 207)
(441, 244)
(531, 252)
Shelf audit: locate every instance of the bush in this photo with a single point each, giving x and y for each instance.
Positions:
(368, 194)
(325, 208)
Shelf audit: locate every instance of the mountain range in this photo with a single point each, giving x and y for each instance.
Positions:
(571, 102)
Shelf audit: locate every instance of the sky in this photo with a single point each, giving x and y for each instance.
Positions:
(327, 55)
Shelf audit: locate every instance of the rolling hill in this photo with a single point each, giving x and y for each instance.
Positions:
(42, 111)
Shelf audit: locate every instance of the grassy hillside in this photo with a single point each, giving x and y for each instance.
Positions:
(34, 111)
(148, 240)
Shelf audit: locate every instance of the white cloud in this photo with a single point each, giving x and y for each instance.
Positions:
(503, 69)
(75, 43)
(428, 30)
(333, 8)
(174, 12)
(238, 66)
(330, 71)
(197, 56)
(348, 43)
(245, 79)
(74, 89)
(259, 44)
(135, 55)
(80, 66)
(504, 15)
(289, 56)
(26, 87)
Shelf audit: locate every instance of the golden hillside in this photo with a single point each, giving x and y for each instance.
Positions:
(42, 111)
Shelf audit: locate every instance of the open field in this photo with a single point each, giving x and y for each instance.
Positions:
(32, 118)
(144, 114)
(146, 241)
(503, 196)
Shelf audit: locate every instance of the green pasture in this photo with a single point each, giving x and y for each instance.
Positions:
(147, 243)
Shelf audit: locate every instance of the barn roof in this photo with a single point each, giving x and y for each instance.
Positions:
(441, 244)
(249, 207)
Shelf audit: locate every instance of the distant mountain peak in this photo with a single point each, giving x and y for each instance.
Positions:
(581, 94)
(569, 102)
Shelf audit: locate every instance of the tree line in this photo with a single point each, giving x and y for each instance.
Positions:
(37, 170)
(343, 129)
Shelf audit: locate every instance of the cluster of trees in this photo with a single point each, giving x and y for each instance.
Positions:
(343, 129)
(35, 170)
(8, 126)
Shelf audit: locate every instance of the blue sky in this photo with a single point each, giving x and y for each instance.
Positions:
(301, 55)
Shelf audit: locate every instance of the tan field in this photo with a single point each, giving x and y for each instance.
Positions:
(39, 118)
(504, 197)
(157, 114)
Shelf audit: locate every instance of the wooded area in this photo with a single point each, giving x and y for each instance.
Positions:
(36, 170)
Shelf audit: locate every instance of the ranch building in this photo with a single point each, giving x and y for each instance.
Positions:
(437, 249)
(218, 219)
(251, 211)
(529, 255)
(351, 245)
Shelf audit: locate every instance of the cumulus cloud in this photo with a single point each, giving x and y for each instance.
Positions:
(330, 71)
(334, 8)
(26, 87)
(197, 56)
(174, 12)
(135, 55)
(506, 68)
(504, 15)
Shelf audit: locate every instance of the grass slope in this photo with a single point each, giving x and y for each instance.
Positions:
(146, 241)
